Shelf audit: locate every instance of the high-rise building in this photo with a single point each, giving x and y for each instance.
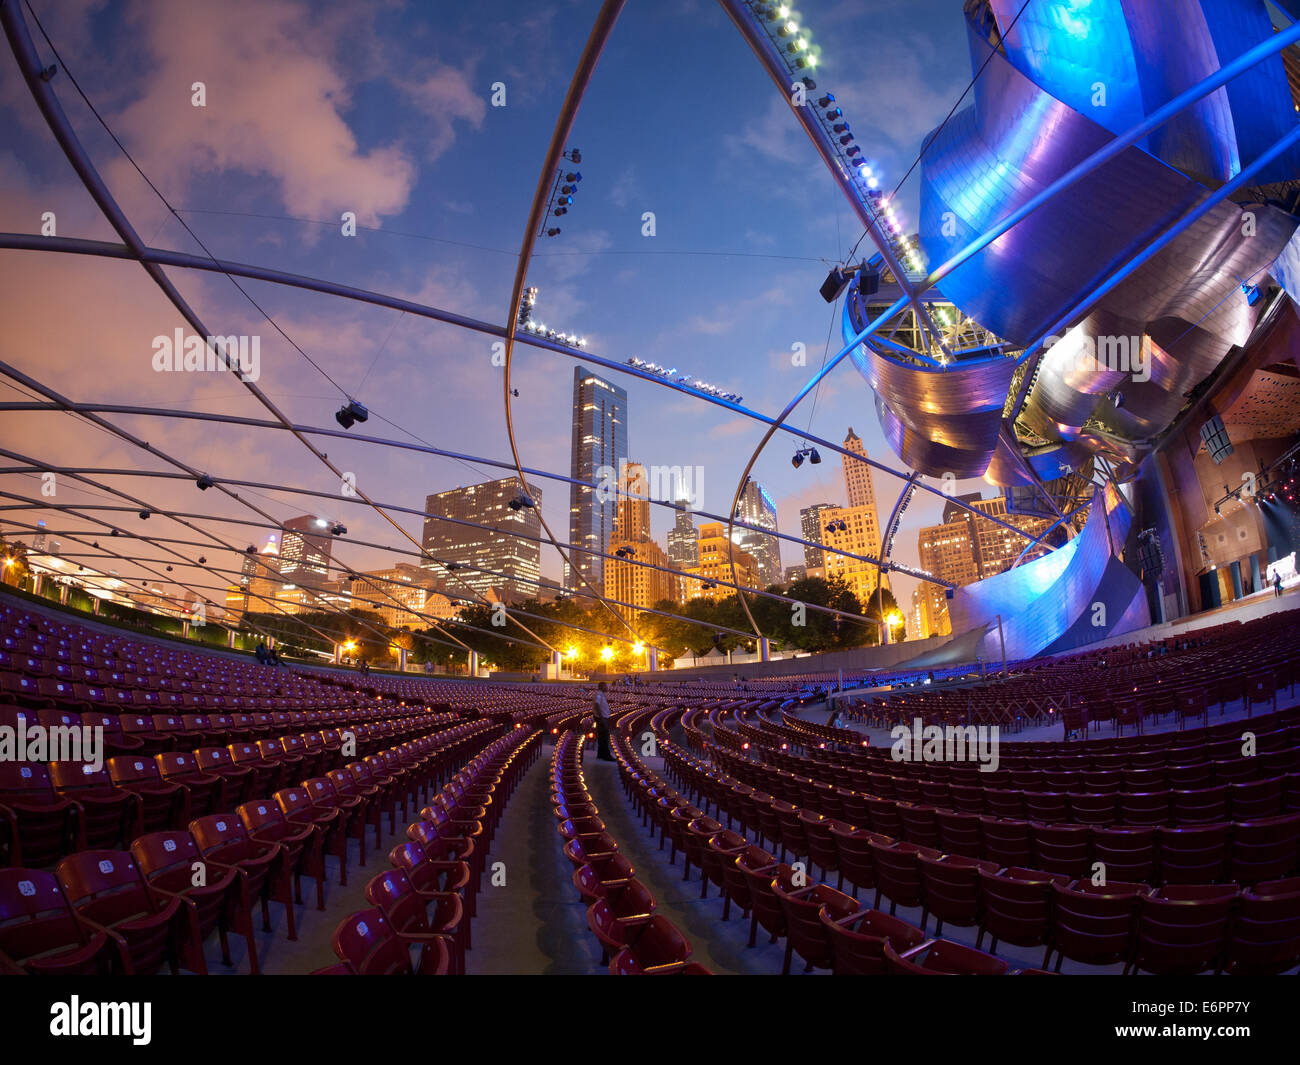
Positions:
(684, 540)
(716, 552)
(599, 442)
(795, 573)
(997, 547)
(812, 528)
(500, 553)
(305, 549)
(405, 596)
(860, 531)
(857, 475)
(947, 552)
(756, 507)
(625, 580)
(859, 536)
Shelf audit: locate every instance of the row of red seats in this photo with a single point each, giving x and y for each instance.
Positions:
(426, 901)
(620, 910)
(129, 911)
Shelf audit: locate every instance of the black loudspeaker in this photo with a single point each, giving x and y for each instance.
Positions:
(1215, 438)
(1151, 556)
(947, 593)
(868, 281)
(836, 282)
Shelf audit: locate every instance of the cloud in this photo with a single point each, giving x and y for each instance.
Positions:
(247, 52)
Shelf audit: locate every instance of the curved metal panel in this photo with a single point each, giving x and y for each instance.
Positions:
(1043, 600)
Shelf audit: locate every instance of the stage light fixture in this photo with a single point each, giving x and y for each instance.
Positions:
(144, 515)
(205, 482)
(814, 456)
(351, 413)
(339, 529)
(797, 460)
(836, 282)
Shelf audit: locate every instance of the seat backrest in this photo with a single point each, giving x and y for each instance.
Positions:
(365, 940)
(134, 769)
(35, 917)
(105, 885)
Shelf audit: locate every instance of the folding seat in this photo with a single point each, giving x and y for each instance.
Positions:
(823, 852)
(939, 957)
(1004, 803)
(432, 877)
(1103, 781)
(1190, 776)
(1265, 936)
(967, 798)
(172, 727)
(1126, 854)
(1091, 808)
(267, 775)
(695, 842)
(418, 917)
(347, 789)
(263, 868)
(163, 805)
(857, 940)
(1047, 807)
(720, 852)
(367, 945)
(39, 933)
(1143, 808)
(1200, 806)
(1265, 849)
(1006, 842)
(43, 825)
(598, 879)
(168, 861)
(141, 727)
(896, 874)
(617, 924)
(805, 932)
(765, 907)
(23, 690)
(289, 763)
(959, 833)
(441, 843)
(1260, 688)
(1093, 924)
(659, 950)
(110, 816)
(919, 825)
(207, 791)
(1182, 929)
(239, 780)
(884, 817)
(1255, 799)
(107, 894)
(1015, 906)
(950, 889)
(1234, 769)
(1062, 848)
(297, 807)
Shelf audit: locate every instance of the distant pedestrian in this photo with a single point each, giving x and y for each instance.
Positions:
(1277, 584)
(600, 711)
(260, 652)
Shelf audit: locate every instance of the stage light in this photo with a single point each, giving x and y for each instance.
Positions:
(520, 502)
(840, 127)
(202, 561)
(144, 515)
(250, 550)
(339, 530)
(827, 100)
(560, 212)
(573, 177)
(836, 282)
(205, 482)
(351, 413)
(814, 456)
(797, 460)
(846, 139)
(1251, 293)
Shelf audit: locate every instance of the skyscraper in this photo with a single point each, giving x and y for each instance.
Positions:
(857, 475)
(625, 579)
(503, 558)
(599, 442)
(756, 508)
(305, 549)
(813, 528)
(684, 540)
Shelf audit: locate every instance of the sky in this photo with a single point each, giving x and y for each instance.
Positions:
(386, 110)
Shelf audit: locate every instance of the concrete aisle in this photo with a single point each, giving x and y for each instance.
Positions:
(535, 923)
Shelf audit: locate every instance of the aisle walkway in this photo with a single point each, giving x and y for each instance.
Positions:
(536, 923)
(718, 946)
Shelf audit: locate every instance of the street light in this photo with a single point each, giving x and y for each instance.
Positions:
(606, 653)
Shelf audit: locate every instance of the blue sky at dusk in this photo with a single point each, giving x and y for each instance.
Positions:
(384, 109)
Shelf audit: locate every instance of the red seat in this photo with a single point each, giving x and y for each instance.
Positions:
(1016, 906)
(1265, 938)
(858, 941)
(39, 933)
(940, 957)
(659, 950)
(1093, 924)
(263, 867)
(110, 816)
(303, 843)
(368, 946)
(163, 805)
(421, 917)
(42, 825)
(1181, 929)
(108, 895)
